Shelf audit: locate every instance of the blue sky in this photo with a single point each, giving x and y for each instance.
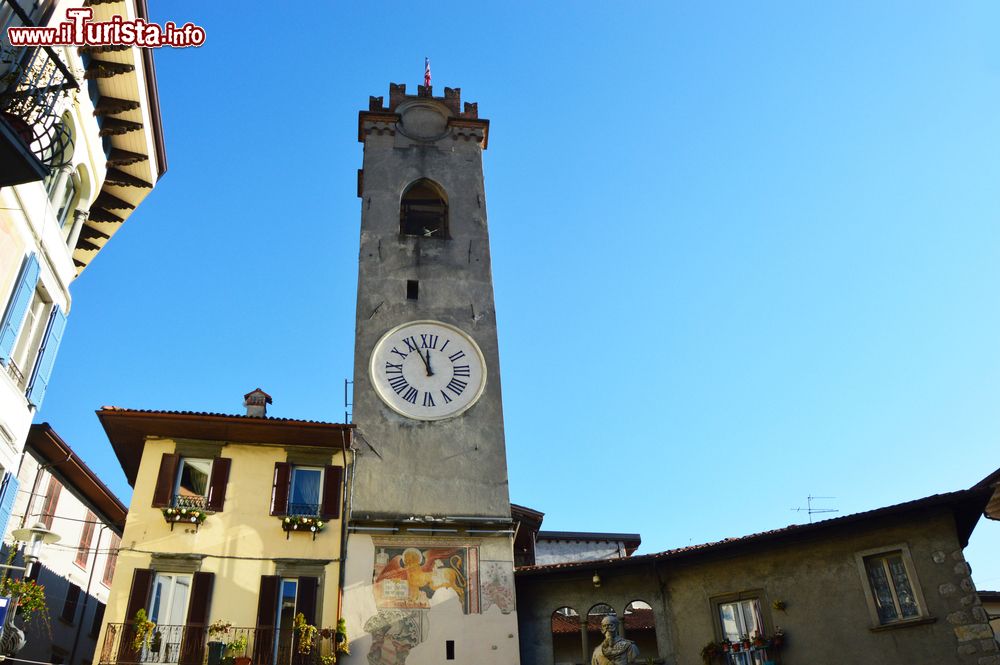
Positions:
(742, 253)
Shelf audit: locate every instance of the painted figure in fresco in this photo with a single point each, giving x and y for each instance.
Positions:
(438, 577)
(394, 634)
(409, 578)
(614, 650)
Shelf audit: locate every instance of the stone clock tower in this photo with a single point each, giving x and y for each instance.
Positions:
(430, 557)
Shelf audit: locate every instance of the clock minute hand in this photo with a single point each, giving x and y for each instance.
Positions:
(427, 362)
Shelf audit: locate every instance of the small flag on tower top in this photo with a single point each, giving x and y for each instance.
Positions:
(427, 72)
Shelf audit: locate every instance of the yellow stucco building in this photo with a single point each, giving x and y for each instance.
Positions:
(234, 520)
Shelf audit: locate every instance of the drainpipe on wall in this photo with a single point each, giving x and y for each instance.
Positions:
(345, 518)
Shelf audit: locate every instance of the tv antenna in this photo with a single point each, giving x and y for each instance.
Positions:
(812, 511)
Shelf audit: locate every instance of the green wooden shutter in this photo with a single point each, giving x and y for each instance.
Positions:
(17, 307)
(46, 358)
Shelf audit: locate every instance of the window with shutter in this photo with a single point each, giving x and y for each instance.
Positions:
(69, 605)
(267, 612)
(83, 549)
(191, 482)
(192, 644)
(95, 625)
(51, 501)
(112, 561)
(17, 307)
(8, 492)
(42, 373)
(217, 484)
(279, 490)
(333, 478)
(138, 599)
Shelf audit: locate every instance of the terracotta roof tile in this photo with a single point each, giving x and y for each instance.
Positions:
(119, 409)
(975, 494)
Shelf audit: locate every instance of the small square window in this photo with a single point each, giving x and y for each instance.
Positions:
(892, 590)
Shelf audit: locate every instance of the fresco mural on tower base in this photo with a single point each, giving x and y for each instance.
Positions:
(406, 575)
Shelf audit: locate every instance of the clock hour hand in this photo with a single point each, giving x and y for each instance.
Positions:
(427, 362)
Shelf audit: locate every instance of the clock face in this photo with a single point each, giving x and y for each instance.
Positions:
(428, 370)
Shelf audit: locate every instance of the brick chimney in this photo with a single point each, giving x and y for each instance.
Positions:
(256, 402)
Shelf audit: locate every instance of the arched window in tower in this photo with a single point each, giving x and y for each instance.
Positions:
(423, 210)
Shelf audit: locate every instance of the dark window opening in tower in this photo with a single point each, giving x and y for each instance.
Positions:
(423, 211)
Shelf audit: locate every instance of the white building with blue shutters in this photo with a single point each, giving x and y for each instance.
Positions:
(80, 147)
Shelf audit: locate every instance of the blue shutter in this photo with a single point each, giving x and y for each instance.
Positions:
(46, 358)
(8, 491)
(20, 299)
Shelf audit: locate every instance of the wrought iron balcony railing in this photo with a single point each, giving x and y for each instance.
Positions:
(194, 645)
(199, 502)
(34, 88)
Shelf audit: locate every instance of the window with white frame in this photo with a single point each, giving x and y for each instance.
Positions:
(743, 627)
(305, 491)
(29, 339)
(191, 490)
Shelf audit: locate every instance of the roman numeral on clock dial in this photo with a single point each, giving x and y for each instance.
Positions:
(428, 370)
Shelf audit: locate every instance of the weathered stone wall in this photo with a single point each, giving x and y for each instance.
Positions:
(558, 551)
(458, 466)
(817, 579)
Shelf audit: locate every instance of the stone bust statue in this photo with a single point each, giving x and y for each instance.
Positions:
(614, 650)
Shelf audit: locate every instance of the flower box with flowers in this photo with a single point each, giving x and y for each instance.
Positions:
(311, 525)
(184, 516)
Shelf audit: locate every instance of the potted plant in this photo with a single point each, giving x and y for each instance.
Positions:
(29, 597)
(237, 647)
(340, 637)
(311, 525)
(144, 628)
(305, 632)
(194, 516)
(217, 632)
(709, 652)
(778, 638)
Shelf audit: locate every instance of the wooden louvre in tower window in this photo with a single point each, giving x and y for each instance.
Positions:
(163, 493)
(267, 613)
(217, 484)
(279, 490)
(195, 626)
(333, 478)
